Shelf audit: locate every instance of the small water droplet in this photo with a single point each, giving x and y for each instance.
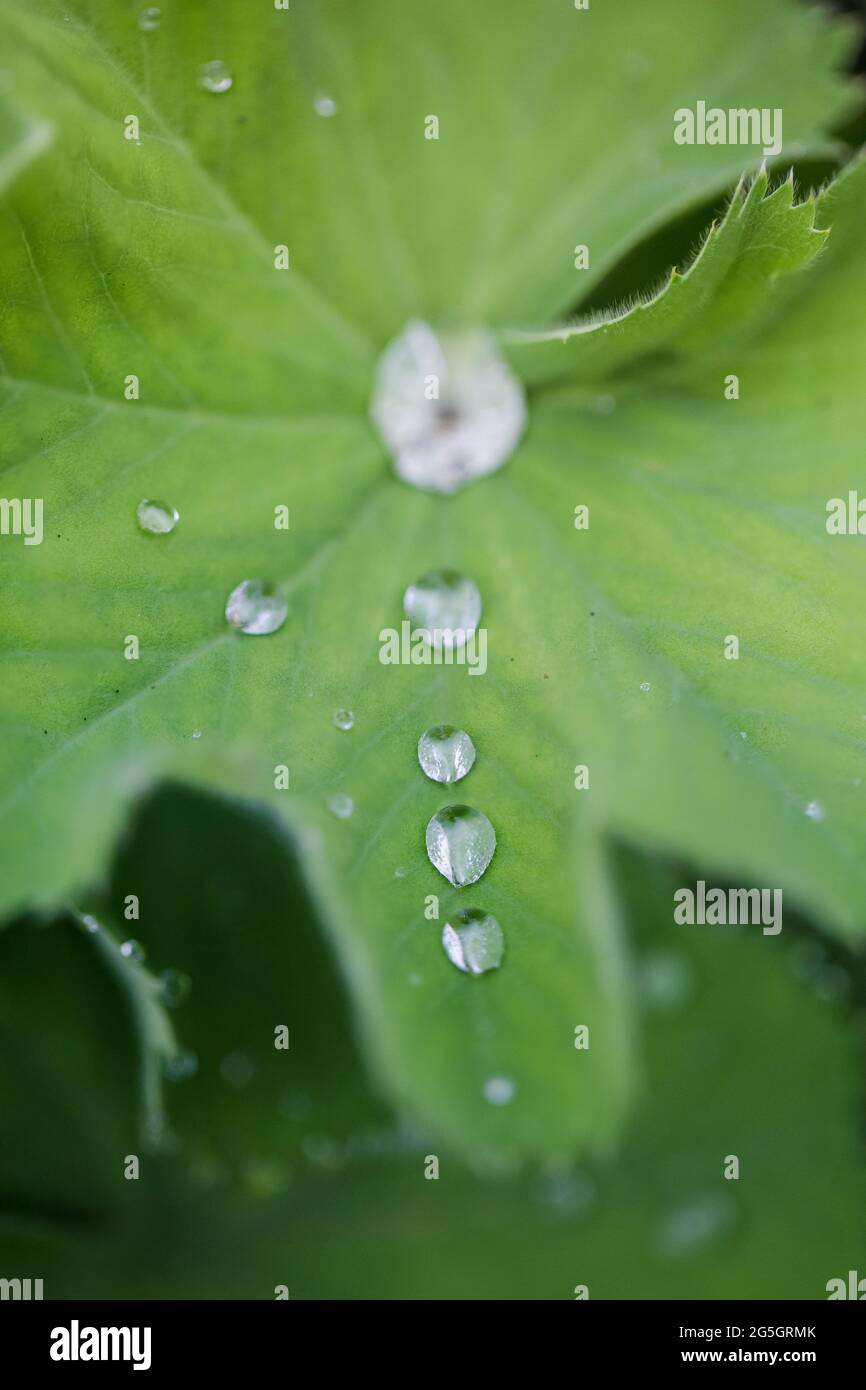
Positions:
(464, 429)
(460, 844)
(499, 1090)
(446, 605)
(400, 871)
(693, 1225)
(90, 922)
(325, 106)
(564, 1191)
(341, 806)
(344, 719)
(665, 981)
(196, 733)
(446, 754)
(815, 811)
(237, 1069)
(256, 608)
(174, 987)
(133, 950)
(149, 19)
(180, 1066)
(645, 686)
(214, 76)
(473, 942)
(156, 518)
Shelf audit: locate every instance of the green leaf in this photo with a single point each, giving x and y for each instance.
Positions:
(156, 260)
(714, 299)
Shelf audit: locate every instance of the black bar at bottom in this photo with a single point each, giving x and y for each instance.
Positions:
(220, 1337)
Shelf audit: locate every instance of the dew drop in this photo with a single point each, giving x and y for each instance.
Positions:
(180, 1066)
(341, 806)
(325, 106)
(215, 76)
(446, 605)
(815, 811)
(174, 987)
(645, 686)
(90, 923)
(665, 981)
(690, 1227)
(156, 518)
(400, 871)
(449, 408)
(237, 1069)
(473, 941)
(196, 733)
(499, 1090)
(344, 719)
(564, 1191)
(133, 950)
(446, 754)
(256, 608)
(460, 844)
(149, 19)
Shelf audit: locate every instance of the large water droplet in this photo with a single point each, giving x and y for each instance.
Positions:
(256, 608)
(157, 518)
(460, 844)
(473, 941)
(446, 604)
(149, 19)
(448, 407)
(344, 719)
(446, 754)
(214, 76)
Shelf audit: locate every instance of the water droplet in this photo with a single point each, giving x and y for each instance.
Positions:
(446, 754)
(474, 419)
(174, 987)
(815, 811)
(90, 922)
(446, 605)
(665, 981)
(341, 806)
(180, 1066)
(325, 106)
(214, 76)
(256, 608)
(237, 1069)
(460, 844)
(133, 950)
(196, 733)
(605, 405)
(645, 686)
(691, 1226)
(157, 518)
(400, 871)
(344, 719)
(499, 1090)
(564, 1191)
(149, 19)
(473, 941)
